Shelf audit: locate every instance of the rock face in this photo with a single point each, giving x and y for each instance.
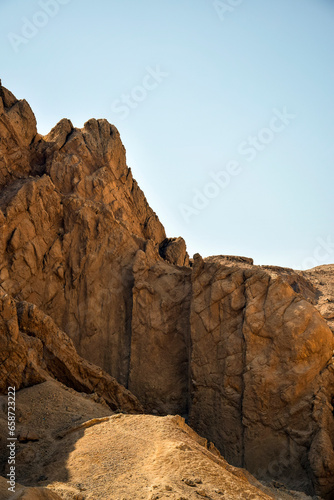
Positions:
(18, 131)
(244, 352)
(262, 374)
(174, 250)
(34, 350)
(72, 219)
(160, 342)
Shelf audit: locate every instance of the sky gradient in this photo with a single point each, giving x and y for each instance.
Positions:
(225, 109)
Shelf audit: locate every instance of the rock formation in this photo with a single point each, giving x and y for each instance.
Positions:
(262, 367)
(72, 218)
(34, 350)
(174, 250)
(95, 295)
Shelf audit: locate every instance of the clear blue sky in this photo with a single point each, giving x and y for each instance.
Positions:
(196, 89)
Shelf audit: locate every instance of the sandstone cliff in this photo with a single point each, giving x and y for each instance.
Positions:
(72, 219)
(244, 352)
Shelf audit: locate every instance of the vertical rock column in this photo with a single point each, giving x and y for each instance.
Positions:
(217, 361)
(260, 353)
(159, 363)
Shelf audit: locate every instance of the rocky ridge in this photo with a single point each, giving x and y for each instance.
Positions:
(242, 351)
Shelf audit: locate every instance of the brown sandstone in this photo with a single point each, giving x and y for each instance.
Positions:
(85, 265)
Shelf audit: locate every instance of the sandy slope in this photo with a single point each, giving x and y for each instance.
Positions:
(145, 457)
(72, 445)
